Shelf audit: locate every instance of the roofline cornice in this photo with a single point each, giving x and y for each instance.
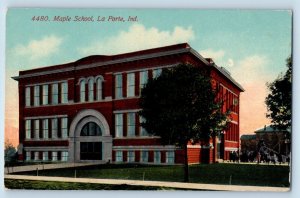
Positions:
(99, 64)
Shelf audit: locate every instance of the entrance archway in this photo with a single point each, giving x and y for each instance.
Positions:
(90, 138)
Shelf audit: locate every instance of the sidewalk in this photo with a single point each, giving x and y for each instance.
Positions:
(152, 183)
(15, 169)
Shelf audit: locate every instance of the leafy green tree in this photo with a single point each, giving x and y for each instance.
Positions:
(279, 100)
(181, 106)
(10, 152)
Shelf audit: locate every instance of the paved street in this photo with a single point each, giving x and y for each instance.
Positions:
(151, 183)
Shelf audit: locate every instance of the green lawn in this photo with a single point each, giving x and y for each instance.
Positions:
(236, 174)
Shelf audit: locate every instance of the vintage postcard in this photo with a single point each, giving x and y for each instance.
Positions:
(148, 99)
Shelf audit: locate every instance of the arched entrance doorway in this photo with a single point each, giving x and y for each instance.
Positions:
(90, 139)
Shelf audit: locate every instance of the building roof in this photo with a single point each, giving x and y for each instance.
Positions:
(269, 129)
(102, 60)
(248, 137)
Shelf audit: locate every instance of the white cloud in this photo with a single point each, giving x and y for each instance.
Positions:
(37, 49)
(215, 55)
(218, 57)
(138, 37)
(252, 69)
(230, 62)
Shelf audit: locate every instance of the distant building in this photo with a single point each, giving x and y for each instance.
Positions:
(276, 140)
(87, 110)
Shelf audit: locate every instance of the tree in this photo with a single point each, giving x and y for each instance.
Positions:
(10, 152)
(181, 106)
(279, 99)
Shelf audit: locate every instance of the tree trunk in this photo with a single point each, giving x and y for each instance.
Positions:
(186, 165)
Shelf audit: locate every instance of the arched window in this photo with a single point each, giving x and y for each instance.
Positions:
(91, 129)
(99, 88)
(91, 89)
(82, 91)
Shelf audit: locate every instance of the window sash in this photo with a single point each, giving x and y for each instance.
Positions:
(36, 155)
(170, 155)
(143, 78)
(144, 156)
(27, 96)
(143, 131)
(157, 72)
(130, 85)
(36, 95)
(82, 91)
(54, 155)
(131, 124)
(157, 157)
(54, 127)
(28, 155)
(28, 129)
(45, 156)
(45, 129)
(45, 94)
(119, 156)
(36, 129)
(64, 92)
(91, 90)
(119, 85)
(54, 93)
(119, 125)
(99, 89)
(131, 156)
(64, 156)
(64, 127)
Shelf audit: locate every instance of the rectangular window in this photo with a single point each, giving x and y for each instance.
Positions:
(130, 84)
(64, 92)
(28, 129)
(45, 129)
(36, 156)
(54, 93)
(170, 157)
(157, 157)
(54, 155)
(54, 128)
(156, 72)
(143, 79)
(27, 96)
(36, 95)
(144, 156)
(45, 156)
(64, 127)
(45, 94)
(119, 156)
(130, 124)
(119, 124)
(143, 131)
(130, 156)
(28, 155)
(36, 129)
(119, 86)
(64, 156)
